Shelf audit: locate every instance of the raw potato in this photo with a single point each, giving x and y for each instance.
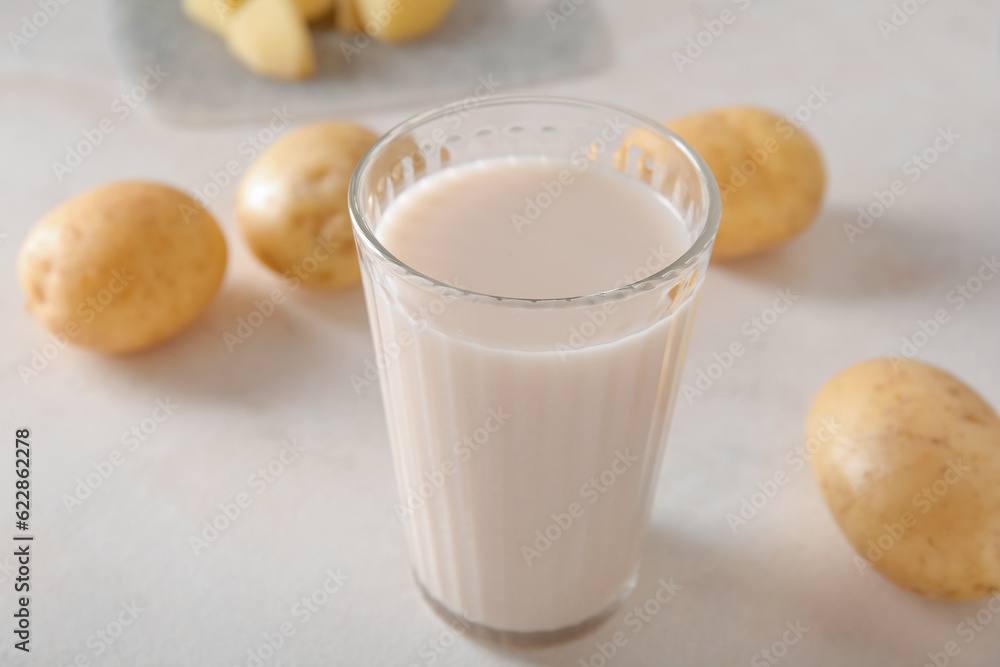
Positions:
(211, 14)
(346, 17)
(328, 19)
(271, 38)
(292, 203)
(122, 266)
(909, 463)
(400, 20)
(770, 174)
(314, 9)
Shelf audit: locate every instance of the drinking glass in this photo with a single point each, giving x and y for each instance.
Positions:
(527, 434)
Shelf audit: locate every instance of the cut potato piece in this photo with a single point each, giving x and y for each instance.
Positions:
(400, 20)
(346, 17)
(327, 20)
(272, 39)
(314, 9)
(210, 14)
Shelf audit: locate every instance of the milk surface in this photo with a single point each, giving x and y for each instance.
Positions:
(511, 227)
(526, 449)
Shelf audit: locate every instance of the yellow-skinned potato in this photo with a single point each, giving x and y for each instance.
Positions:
(400, 20)
(271, 37)
(314, 9)
(910, 468)
(770, 175)
(211, 14)
(345, 17)
(122, 266)
(328, 19)
(292, 203)
(214, 14)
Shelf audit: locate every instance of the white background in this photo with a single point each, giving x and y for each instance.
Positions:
(332, 507)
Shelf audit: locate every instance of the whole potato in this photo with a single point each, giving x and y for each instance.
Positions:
(912, 475)
(292, 203)
(122, 266)
(770, 175)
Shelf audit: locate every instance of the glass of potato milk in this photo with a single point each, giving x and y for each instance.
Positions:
(531, 267)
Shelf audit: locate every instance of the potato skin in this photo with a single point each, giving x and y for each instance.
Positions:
(292, 203)
(770, 175)
(314, 9)
(913, 475)
(402, 20)
(122, 266)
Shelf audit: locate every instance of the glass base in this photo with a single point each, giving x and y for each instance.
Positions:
(518, 638)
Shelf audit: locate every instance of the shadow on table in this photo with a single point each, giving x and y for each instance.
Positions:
(836, 258)
(732, 601)
(246, 348)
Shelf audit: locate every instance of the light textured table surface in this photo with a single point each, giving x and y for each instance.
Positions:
(331, 509)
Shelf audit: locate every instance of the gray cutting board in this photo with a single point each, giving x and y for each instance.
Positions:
(515, 41)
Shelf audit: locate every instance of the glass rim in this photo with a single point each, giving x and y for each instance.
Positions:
(710, 189)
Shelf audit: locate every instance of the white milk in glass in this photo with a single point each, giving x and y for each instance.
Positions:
(525, 455)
